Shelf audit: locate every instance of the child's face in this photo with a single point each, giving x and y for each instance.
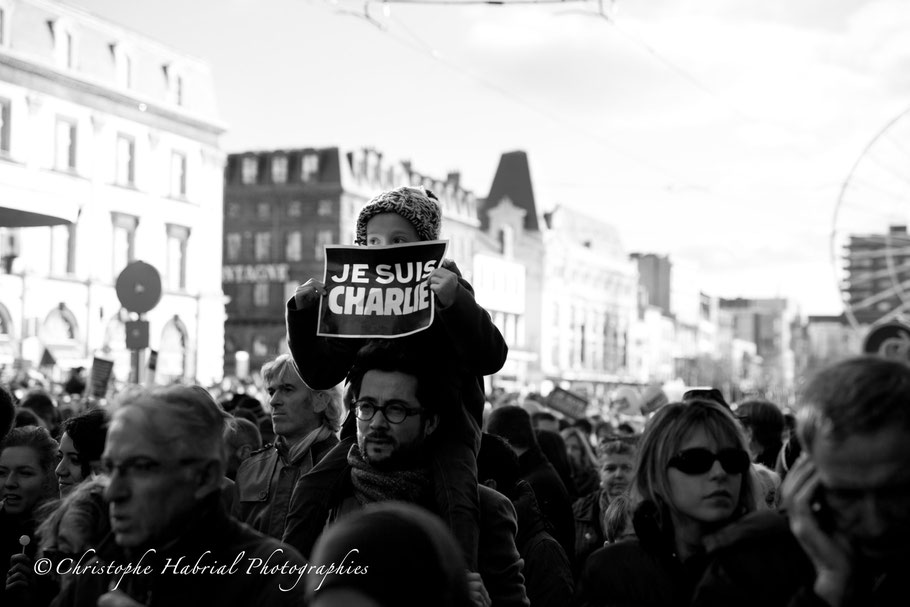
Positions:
(390, 228)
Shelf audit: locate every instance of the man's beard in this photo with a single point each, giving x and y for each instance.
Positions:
(402, 456)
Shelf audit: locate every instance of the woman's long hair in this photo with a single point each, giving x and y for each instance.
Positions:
(663, 438)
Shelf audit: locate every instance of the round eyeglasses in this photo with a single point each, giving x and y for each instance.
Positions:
(394, 413)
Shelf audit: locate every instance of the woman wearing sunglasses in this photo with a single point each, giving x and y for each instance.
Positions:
(691, 479)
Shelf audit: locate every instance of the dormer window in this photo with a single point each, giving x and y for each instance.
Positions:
(309, 167)
(64, 43)
(123, 65)
(176, 90)
(4, 17)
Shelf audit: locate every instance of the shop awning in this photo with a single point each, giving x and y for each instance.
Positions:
(52, 201)
(16, 216)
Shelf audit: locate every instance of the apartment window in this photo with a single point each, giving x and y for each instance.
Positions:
(178, 90)
(65, 145)
(295, 208)
(309, 167)
(324, 208)
(63, 250)
(177, 237)
(233, 210)
(126, 71)
(249, 170)
(5, 107)
(126, 160)
(293, 250)
(124, 245)
(323, 238)
(263, 210)
(279, 169)
(233, 244)
(261, 294)
(178, 175)
(262, 247)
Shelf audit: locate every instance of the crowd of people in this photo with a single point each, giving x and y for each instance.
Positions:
(376, 476)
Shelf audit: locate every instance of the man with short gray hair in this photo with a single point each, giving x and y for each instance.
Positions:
(172, 542)
(305, 422)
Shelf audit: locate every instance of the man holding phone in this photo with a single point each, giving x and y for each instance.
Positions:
(848, 496)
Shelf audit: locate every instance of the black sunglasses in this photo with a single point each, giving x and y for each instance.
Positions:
(699, 460)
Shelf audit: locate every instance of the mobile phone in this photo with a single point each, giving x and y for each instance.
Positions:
(821, 511)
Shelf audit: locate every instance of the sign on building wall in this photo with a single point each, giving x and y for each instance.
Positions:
(263, 272)
(378, 291)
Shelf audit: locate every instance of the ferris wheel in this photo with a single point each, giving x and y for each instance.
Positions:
(870, 243)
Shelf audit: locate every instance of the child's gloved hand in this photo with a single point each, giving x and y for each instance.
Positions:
(308, 293)
(444, 283)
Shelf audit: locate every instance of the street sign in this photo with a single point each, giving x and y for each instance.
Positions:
(137, 334)
(139, 287)
(891, 340)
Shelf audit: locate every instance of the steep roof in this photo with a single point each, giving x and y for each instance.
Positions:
(512, 181)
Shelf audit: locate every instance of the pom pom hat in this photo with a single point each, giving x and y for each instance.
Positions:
(418, 205)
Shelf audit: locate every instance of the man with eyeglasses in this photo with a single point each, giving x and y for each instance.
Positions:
(171, 541)
(847, 498)
(397, 396)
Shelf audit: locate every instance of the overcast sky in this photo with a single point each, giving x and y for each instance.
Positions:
(718, 131)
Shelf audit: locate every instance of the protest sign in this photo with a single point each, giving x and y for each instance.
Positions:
(568, 403)
(378, 291)
(100, 376)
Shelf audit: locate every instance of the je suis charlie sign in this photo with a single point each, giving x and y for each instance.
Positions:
(379, 291)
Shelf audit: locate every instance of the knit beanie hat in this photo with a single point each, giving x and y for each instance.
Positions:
(418, 205)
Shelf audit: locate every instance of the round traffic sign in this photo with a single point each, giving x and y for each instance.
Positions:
(139, 287)
(891, 340)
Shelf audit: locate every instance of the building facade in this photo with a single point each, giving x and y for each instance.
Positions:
(109, 154)
(878, 275)
(767, 323)
(282, 207)
(589, 305)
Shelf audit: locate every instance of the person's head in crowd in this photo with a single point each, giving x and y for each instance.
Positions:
(768, 483)
(497, 464)
(27, 459)
(617, 468)
(298, 410)
(242, 438)
(854, 424)
(165, 456)
(789, 426)
(66, 412)
(77, 522)
(513, 424)
(81, 446)
(617, 519)
(397, 398)
(584, 426)
(554, 449)
(27, 417)
(544, 420)
(43, 405)
(625, 429)
(578, 449)
(712, 394)
(410, 559)
(405, 214)
(7, 411)
(693, 466)
(763, 422)
(604, 432)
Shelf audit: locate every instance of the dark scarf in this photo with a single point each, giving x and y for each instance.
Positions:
(414, 485)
